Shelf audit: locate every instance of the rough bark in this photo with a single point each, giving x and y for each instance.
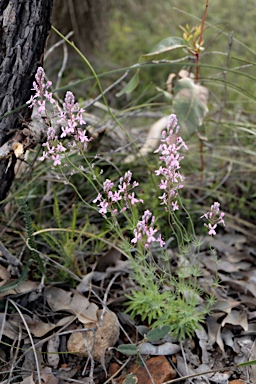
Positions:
(24, 29)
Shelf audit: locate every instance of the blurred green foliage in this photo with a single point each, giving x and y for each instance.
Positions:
(136, 26)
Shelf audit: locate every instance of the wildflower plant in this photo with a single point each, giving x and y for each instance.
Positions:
(162, 297)
(69, 116)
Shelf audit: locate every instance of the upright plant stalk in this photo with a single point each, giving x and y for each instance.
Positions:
(200, 40)
(201, 147)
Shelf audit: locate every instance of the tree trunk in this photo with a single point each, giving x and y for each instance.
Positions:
(24, 28)
(87, 19)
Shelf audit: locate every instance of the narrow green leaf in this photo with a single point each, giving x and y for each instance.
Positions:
(128, 349)
(158, 333)
(131, 85)
(252, 362)
(165, 45)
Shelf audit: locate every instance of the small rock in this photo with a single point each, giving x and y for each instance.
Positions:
(237, 382)
(113, 369)
(105, 337)
(159, 368)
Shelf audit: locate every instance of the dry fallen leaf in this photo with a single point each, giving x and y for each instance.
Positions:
(221, 378)
(4, 275)
(10, 330)
(243, 284)
(52, 348)
(28, 380)
(37, 327)
(48, 377)
(183, 368)
(24, 287)
(228, 337)
(203, 342)
(159, 350)
(225, 305)
(214, 331)
(73, 302)
(110, 258)
(29, 363)
(236, 318)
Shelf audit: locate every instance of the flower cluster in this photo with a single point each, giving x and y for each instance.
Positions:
(69, 117)
(145, 230)
(214, 217)
(123, 192)
(41, 95)
(172, 180)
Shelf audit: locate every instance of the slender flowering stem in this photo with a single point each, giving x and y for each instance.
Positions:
(171, 178)
(214, 218)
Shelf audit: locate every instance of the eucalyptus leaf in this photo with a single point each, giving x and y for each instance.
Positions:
(190, 106)
(131, 85)
(165, 45)
(167, 95)
(128, 349)
(158, 333)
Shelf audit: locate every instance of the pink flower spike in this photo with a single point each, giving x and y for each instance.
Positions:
(171, 179)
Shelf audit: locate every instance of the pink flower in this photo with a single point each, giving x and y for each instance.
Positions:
(98, 198)
(161, 241)
(107, 185)
(56, 160)
(41, 108)
(212, 229)
(133, 199)
(137, 237)
(175, 206)
(103, 207)
(163, 184)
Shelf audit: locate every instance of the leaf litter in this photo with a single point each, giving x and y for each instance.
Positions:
(54, 315)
